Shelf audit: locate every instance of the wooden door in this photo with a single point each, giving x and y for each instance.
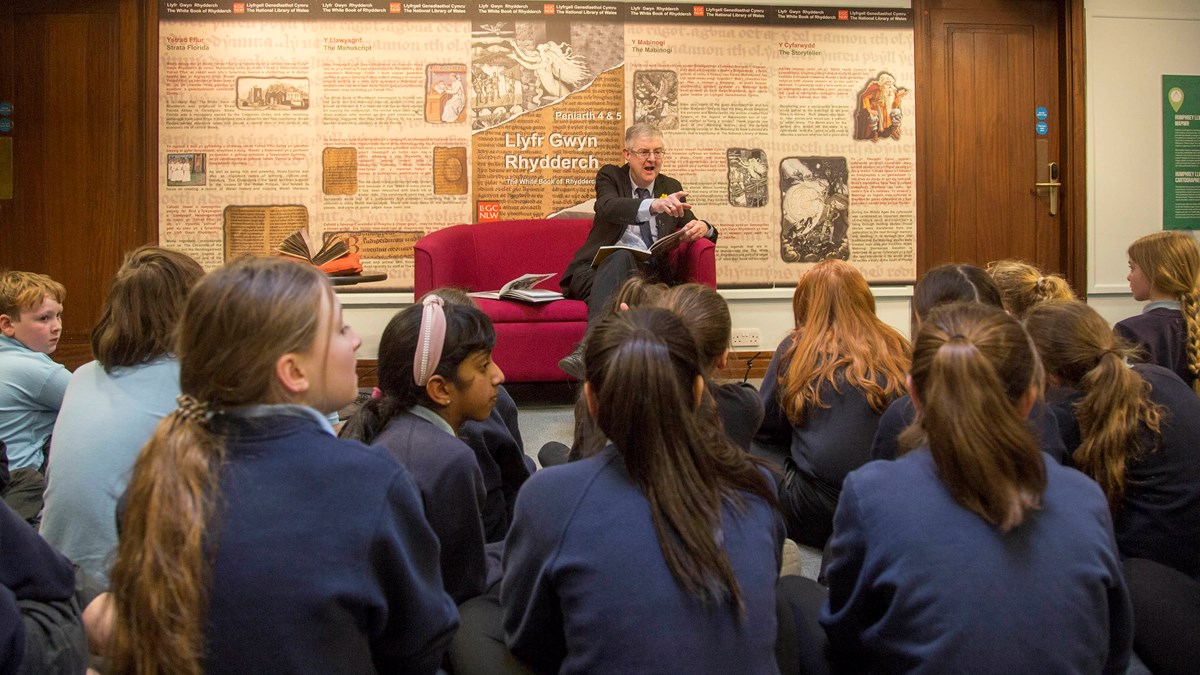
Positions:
(75, 72)
(986, 69)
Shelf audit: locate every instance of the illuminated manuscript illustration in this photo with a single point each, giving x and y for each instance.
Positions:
(816, 209)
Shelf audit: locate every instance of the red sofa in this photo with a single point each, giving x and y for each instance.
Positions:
(530, 339)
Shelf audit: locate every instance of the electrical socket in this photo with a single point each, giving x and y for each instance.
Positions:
(745, 337)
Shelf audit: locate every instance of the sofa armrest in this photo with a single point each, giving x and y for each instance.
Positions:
(445, 258)
(696, 262)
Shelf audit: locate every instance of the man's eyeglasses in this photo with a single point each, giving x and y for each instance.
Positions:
(645, 154)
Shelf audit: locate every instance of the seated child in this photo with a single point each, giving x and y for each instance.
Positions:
(1132, 429)
(436, 372)
(660, 553)
(944, 284)
(637, 291)
(706, 315)
(41, 630)
(252, 539)
(824, 392)
(1022, 286)
(974, 552)
(32, 388)
(1163, 269)
(114, 403)
(498, 448)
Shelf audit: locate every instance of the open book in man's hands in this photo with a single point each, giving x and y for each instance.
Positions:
(662, 246)
(334, 256)
(522, 288)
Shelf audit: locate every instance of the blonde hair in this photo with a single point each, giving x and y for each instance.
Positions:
(1022, 285)
(837, 332)
(1171, 262)
(972, 364)
(637, 291)
(238, 321)
(21, 291)
(1078, 347)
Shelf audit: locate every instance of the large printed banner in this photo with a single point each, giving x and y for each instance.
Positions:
(379, 122)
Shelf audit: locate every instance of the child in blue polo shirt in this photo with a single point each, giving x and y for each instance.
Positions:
(32, 386)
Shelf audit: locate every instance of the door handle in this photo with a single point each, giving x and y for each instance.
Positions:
(1052, 185)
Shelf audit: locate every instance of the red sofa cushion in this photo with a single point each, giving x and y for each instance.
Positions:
(504, 311)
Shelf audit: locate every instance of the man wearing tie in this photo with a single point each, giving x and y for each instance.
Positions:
(628, 213)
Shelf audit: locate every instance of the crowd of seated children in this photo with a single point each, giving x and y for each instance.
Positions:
(975, 552)
(1163, 268)
(658, 549)
(1022, 286)
(824, 391)
(32, 388)
(941, 285)
(435, 372)
(113, 404)
(253, 539)
(1133, 430)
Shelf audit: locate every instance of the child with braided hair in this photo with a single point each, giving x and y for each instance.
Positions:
(1163, 268)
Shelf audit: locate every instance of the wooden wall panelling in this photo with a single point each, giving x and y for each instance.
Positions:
(80, 182)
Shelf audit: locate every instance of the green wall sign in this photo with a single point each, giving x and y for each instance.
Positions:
(1181, 152)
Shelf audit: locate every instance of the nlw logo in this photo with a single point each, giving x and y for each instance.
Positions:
(488, 212)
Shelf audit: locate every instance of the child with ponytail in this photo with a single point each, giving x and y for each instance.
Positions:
(252, 539)
(1133, 430)
(661, 552)
(1022, 286)
(957, 282)
(952, 557)
(587, 440)
(435, 373)
(706, 314)
(1163, 268)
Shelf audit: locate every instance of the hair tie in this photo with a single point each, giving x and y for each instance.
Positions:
(430, 339)
(191, 409)
(376, 394)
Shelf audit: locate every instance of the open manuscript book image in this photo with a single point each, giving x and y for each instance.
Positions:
(333, 257)
(522, 288)
(660, 247)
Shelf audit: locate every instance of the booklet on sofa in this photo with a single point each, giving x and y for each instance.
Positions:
(522, 288)
(661, 246)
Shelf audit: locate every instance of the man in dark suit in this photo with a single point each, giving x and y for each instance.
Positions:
(627, 212)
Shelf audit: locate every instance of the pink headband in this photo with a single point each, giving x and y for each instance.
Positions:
(430, 340)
